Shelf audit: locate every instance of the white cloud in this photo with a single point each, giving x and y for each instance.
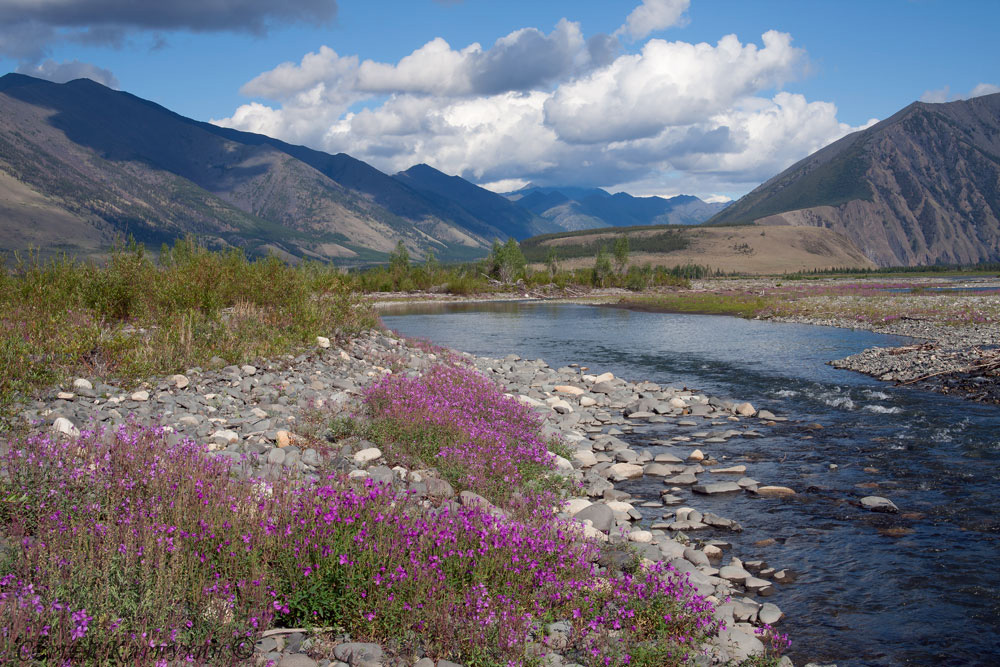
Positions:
(558, 108)
(288, 79)
(506, 185)
(668, 84)
(937, 96)
(61, 72)
(945, 94)
(717, 199)
(653, 15)
(768, 135)
(984, 89)
(523, 60)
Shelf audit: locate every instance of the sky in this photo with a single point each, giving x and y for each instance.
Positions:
(650, 97)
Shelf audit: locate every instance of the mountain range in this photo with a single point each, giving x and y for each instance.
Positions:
(573, 208)
(82, 164)
(920, 187)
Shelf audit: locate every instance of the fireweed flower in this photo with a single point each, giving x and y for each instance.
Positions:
(196, 552)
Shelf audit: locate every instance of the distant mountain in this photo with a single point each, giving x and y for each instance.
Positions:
(81, 164)
(481, 211)
(574, 208)
(921, 187)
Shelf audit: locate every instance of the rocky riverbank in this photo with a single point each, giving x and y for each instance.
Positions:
(959, 359)
(264, 418)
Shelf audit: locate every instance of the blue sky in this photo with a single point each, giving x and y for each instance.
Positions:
(610, 93)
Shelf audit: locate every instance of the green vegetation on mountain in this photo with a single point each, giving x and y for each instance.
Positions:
(536, 248)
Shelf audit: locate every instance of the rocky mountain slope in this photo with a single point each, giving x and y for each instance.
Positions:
(572, 208)
(81, 164)
(921, 187)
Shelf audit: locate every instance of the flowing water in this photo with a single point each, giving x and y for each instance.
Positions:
(920, 587)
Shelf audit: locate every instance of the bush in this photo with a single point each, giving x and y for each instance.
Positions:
(132, 318)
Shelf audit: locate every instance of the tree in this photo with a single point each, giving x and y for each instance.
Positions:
(552, 262)
(431, 263)
(621, 253)
(602, 269)
(399, 259)
(506, 261)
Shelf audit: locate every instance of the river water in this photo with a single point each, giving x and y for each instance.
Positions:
(921, 587)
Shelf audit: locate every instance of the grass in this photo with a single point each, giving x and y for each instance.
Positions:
(702, 303)
(126, 548)
(136, 318)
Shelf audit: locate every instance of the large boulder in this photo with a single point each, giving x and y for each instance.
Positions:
(620, 472)
(601, 516)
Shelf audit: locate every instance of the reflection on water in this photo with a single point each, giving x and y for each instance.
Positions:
(914, 588)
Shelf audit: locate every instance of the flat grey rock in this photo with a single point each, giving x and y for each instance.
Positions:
(717, 488)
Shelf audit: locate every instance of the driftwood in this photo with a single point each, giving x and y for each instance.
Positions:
(985, 366)
(906, 349)
(292, 631)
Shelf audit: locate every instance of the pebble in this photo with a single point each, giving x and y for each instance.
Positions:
(66, 427)
(775, 491)
(733, 470)
(879, 504)
(367, 455)
(716, 488)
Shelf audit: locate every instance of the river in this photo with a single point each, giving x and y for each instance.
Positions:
(919, 587)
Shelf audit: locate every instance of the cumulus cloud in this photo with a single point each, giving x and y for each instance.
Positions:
(945, 94)
(668, 83)
(558, 108)
(984, 89)
(523, 60)
(322, 77)
(653, 15)
(61, 72)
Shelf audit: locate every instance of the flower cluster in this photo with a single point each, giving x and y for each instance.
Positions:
(126, 541)
(456, 420)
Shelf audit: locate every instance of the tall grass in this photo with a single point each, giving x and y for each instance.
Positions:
(134, 317)
(704, 303)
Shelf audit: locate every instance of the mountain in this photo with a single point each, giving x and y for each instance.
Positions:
(921, 187)
(574, 208)
(482, 211)
(81, 164)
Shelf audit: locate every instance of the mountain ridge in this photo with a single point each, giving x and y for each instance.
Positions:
(573, 208)
(82, 164)
(119, 163)
(920, 187)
